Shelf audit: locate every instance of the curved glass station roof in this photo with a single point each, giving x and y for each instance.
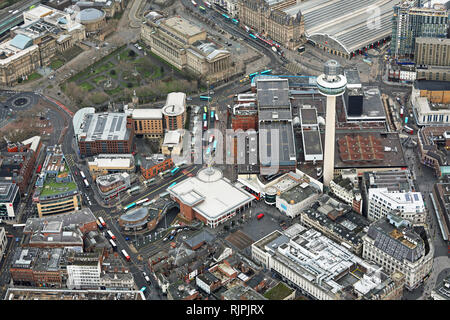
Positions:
(347, 24)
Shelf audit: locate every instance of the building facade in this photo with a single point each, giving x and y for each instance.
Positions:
(55, 190)
(83, 271)
(269, 19)
(410, 22)
(17, 163)
(343, 187)
(111, 185)
(174, 111)
(437, 73)
(408, 205)
(153, 165)
(104, 164)
(148, 122)
(291, 256)
(186, 47)
(36, 42)
(3, 242)
(103, 132)
(434, 143)
(9, 201)
(432, 51)
(392, 243)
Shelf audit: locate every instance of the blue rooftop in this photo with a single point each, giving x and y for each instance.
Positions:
(21, 42)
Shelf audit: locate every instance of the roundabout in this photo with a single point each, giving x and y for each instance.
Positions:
(22, 101)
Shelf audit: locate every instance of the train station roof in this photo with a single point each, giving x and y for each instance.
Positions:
(346, 25)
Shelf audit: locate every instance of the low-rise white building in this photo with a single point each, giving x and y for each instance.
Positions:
(343, 187)
(120, 281)
(231, 6)
(323, 269)
(409, 205)
(83, 271)
(427, 112)
(398, 247)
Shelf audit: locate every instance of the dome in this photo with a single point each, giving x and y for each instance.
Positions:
(90, 15)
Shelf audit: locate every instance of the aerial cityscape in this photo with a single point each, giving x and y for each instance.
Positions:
(224, 150)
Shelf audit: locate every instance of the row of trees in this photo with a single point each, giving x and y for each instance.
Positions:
(83, 98)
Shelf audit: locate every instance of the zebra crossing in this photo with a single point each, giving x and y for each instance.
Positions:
(294, 68)
(102, 214)
(70, 161)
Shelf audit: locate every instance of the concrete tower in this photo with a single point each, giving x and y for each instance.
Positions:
(331, 84)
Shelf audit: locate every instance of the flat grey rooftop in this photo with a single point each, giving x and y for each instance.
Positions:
(308, 116)
(311, 142)
(275, 114)
(298, 193)
(352, 76)
(373, 108)
(285, 143)
(272, 92)
(105, 126)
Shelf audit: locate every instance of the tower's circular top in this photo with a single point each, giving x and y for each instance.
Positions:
(332, 68)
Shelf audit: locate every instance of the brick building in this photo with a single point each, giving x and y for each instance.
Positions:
(154, 164)
(148, 122)
(17, 164)
(103, 132)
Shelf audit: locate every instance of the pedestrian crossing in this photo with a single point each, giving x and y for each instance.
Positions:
(70, 161)
(102, 214)
(294, 68)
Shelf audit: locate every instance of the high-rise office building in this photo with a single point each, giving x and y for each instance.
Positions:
(410, 21)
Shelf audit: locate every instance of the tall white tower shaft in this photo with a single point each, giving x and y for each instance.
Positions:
(328, 162)
(330, 84)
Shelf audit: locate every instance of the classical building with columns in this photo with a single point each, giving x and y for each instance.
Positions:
(268, 18)
(187, 47)
(45, 32)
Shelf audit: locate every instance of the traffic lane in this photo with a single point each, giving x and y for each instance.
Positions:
(165, 184)
(134, 262)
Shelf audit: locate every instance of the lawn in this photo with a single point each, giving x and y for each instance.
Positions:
(108, 65)
(34, 76)
(99, 79)
(279, 292)
(87, 86)
(124, 55)
(56, 64)
(51, 187)
(157, 73)
(144, 72)
(114, 91)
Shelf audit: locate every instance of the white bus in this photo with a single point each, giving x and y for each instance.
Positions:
(149, 202)
(113, 244)
(125, 254)
(102, 221)
(141, 201)
(82, 174)
(86, 183)
(111, 235)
